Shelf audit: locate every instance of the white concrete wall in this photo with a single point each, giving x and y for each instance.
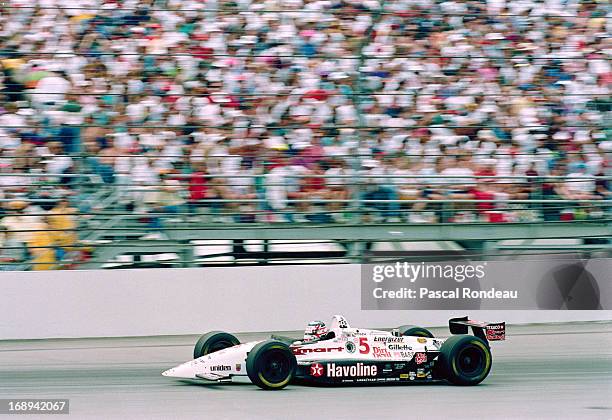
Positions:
(183, 301)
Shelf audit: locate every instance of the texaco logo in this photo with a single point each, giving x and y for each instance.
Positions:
(316, 370)
(350, 347)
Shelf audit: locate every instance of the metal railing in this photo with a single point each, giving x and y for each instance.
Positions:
(111, 221)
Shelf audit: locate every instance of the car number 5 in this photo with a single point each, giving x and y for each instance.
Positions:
(364, 347)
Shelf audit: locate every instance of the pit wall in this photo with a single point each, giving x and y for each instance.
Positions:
(144, 302)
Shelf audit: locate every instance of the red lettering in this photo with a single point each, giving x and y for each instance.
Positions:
(364, 347)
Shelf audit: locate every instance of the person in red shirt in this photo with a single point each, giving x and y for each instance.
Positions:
(199, 190)
(312, 188)
(485, 188)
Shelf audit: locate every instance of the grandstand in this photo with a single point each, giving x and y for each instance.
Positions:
(147, 133)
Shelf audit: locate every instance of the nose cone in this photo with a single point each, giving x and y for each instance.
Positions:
(186, 370)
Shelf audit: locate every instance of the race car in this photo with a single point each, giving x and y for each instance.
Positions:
(339, 354)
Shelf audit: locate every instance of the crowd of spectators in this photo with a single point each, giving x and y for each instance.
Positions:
(240, 108)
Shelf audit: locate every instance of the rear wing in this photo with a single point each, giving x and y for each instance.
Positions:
(488, 331)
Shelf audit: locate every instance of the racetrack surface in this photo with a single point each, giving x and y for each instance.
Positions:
(542, 371)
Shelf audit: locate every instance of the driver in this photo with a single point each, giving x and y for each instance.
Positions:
(315, 331)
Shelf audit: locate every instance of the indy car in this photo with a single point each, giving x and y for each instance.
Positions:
(343, 355)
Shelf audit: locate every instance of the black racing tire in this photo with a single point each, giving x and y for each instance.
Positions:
(464, 360)
(213, 341)
(271, 365)
(414, 331)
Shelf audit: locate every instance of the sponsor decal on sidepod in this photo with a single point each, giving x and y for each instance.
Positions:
(379, 352)
(316, 370)
(298, 351)
(386, 339)
(351, 371)
(333, 370)
(399, 347)
(420, 358)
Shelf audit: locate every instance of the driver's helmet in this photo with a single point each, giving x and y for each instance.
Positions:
(315, 331)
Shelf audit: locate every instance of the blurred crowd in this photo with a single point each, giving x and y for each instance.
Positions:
(243, 107)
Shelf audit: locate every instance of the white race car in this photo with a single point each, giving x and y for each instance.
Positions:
(344, 355)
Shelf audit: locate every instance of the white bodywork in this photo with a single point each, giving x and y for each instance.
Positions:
(354, 344)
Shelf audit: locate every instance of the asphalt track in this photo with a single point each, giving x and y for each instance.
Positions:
(542, 371)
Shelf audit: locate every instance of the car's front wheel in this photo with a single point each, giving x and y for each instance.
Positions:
(464, 360)
(271, 365)
(213, 341)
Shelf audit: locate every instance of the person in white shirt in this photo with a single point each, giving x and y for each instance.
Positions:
(276, 189)
(11, 120)
(340, 187)
(460, 177)
(57, 162)
(579, 185)
(51, 89)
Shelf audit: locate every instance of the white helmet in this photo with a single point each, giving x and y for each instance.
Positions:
(315, 330)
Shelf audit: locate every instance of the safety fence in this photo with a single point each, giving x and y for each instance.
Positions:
(137, 227)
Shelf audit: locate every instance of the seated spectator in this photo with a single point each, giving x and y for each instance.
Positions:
(200, 187)
(407, 187)
(166, 199)
(17, 222)
(339, 182)
(13, 254)
(41, 246)
(63, 220)
(460, 177)
(380, 189)
(312, 187)
(602, 186)
(579, 185)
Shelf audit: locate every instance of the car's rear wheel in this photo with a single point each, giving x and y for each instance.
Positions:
(464, 360)
(414, 331)
(212, 342)
(271, 365)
